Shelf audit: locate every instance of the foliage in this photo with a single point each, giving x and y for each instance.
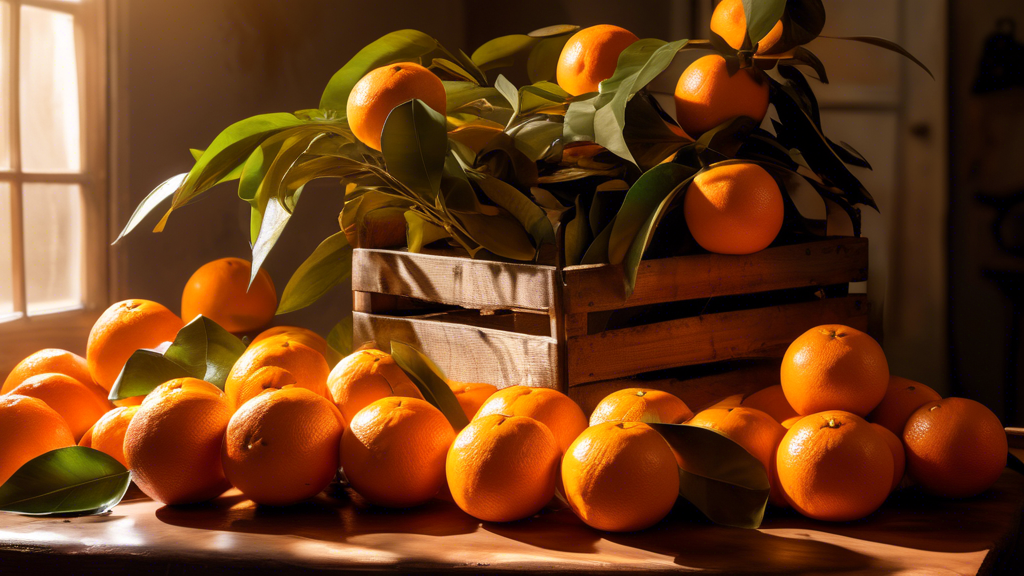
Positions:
(66, 481)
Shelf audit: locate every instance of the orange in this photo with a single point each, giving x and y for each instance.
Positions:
(76, 403)
(304, 336)
(590, 56)
(281, 447)
(707, 96)
(471, 395)
(173, 442)
(382, 89)
(220, 291)
(86, 440)
(52, 360)
(109, 431)
(731, 401)
(121, 330)
(955, 447)
(771, 401)
(550, 407)
(834, 367)
(834, 466)
(503, 468)
(393, 452)
(902, 398)
(28, 428)
(365, 376)
(734, 209)
(788, 422)
(620, 476)
(899, 455)
(275, 363)
(640, 405)
(730, 22)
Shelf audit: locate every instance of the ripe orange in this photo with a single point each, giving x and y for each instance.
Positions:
(109, 431)
(899, 455)
(730, 22)
(640, 405)
(173, 442)
(281, 447)
(274, 363)
(788, 422)
(834, 466)
(620, 476)
(902, 398)
(834, 367)
(393, 452)
(304, 336)
(77, 404)
(734, 209)
(365, 376)
(590, 56)
(220, 291)
(28, 428)
(382, 89)
(558, 412)
(503, 468)
(707, 96)
(52, 360)
(471, 395)
(86, 440)
(956, 447)
(121, 330)
(771, 401)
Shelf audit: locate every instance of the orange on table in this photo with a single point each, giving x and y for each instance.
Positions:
(220, 291)
(772, 401)
(730, 401)
(303, 335)
(52, 360)
(293, 362)
(121, 330)
(956, 447)
(384, 88)
(590, 56)
(902, 398)
(734, 208)
(640, 405)
(28, 428)
(173, 443)
(834, 466)
(503, 468)
(393, 452)
(706, 95)
(76, 403)
(365, 376)
(558, 412)
(281, 447)
(899, 454)
(471, 395)
(109, 431)
(620, 476)
(730, 22)
(834, 367)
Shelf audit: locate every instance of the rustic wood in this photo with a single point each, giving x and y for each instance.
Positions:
(576, 324)
(21, 337)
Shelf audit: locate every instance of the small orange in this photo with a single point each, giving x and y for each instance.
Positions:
(172, 444)
(503, 468)
(899, 455)
(771, 401)
(956, 447)
(550, 407)
(471, 395)
(730, 401)
(393, 452)
(77, 404)
(834, 466)
(590, 56)
(86, 441)
(52, 360)
(834, 367)
(730, 22)
(121, 330)
(706, 95)
(640, 405)
(620, 476)
(28, 428)
(275, 363)
(303, 335)
(220, 291)
(734, 209)
(281, 447)
(788, 422)
(109, 431)
(365, 376)
(382, 89)
(902, 398)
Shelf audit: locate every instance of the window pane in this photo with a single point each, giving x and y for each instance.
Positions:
(5, 88)
(49, 92)
(53, 246)
(6, 270)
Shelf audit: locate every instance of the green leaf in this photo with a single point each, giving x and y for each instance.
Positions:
(529, 214)
(577, 235)
(73, 480)
(641, 200)
(452, 69)
(718, 476)
(326, 267)
(431, 381)
(414, 143)
(762, 15)
(272, 225)
(420, 231)
(801, 55)
(340, 337)
(597, 253)
(537, 138)
(642, 239)
(206, 350)
(162, 192)
(511, 93)
(802, 21)
(143, 372)
(501, 234)
(649, 138)
(555, 30)
(543, 58)
(886, 44)
(460, 94)
(495, 53)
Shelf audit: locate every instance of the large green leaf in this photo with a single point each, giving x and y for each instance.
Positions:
(326, 267)
(272, 225)
(498, 51)
(431, 381)
(577, 235)
(537, 137)
(420, 231)
(650, 139)
(143, 372)
(802, 21)
(415, 143)
(597, 252)
(206, 350)
(340, 337)
(761, 17)
(165, 190)
(529, 214)
(501, 234)
(641, 200)
(543, 59)
(510, 93)
(73, 480)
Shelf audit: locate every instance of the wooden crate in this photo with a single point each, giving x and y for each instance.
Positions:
(701, 326)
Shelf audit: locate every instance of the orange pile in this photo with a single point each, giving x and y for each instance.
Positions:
(590, 56)
(382, 89)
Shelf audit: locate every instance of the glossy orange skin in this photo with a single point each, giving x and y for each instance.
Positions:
(734, 209)
(108, 433)
(558, 412)
(590, 56)
(220, 291)
(384, 88)
(899, 454)
(902, 398)
(275, 363)
(121, 330)
(640, 405)
(366, 376)
(303, 335)
(707, 96)
(28, 428)
(730, 22)
(471, 395)
(771, 401)
(77, 404)
(52, 360)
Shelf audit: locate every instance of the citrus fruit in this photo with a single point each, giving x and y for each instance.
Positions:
(706, 95)
(640, 405)
(620, 476)
(377, 93)
(834, 466)
(274, 363)
(394, 450)
(173, 443)
(899, 455)
(220, 291)
(365, 376)
(834, 367)
(28, 428)
(771, 401)
(956, 447)
(503, 468)
(281, 447)
(109, 431)
(303, 335)
(471, 395)
(121, 330)
(52, 360)
(77, 404)
(86, 440)
(902, 398)
(558, 412)
(590, 56)
(788, 422)
(730, 22)
(733, 209)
